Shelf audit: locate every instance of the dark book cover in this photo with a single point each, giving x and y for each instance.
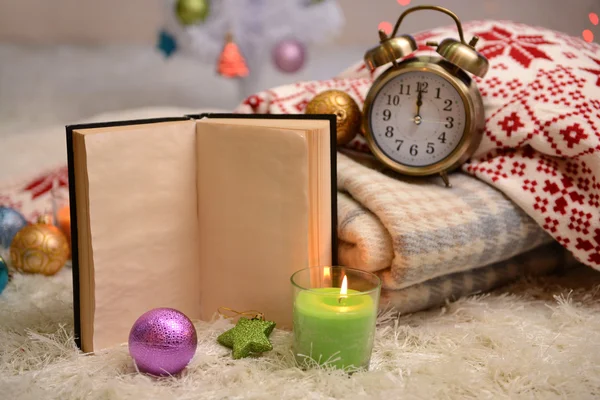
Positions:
(72, 192)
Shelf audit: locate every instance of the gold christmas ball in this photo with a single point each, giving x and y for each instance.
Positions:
(347, 112)
(192, 11)
(39, 248)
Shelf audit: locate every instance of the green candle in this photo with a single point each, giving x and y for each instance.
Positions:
(333, 329)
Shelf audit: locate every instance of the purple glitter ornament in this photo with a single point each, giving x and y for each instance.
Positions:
(162, 341)
(289, 55)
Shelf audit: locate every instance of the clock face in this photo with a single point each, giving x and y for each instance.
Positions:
(418, 118)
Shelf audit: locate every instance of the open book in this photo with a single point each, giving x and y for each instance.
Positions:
(196, 213)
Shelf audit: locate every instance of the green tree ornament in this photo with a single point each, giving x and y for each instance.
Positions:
(191, 12)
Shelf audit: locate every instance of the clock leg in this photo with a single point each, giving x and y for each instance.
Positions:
(444, 176)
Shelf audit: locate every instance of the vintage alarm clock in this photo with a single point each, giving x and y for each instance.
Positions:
(424, 115)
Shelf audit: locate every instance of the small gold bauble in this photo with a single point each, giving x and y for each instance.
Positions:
(347, 112)
(192, 11)
(39, 248)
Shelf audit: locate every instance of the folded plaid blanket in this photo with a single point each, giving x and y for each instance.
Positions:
(417, 229)
(435, 292)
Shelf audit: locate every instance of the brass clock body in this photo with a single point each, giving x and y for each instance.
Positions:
(433, 119)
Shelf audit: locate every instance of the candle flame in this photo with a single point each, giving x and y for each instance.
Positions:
(344, 288)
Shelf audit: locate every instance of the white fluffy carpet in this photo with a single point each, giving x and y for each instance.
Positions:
(535, 339)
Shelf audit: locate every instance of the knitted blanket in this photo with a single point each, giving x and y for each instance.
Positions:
(541, 148)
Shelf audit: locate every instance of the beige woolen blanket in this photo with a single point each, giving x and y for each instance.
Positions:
(413, 230)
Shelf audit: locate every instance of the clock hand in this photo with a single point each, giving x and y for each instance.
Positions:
(417, 118)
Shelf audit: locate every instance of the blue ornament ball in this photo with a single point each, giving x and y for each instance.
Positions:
(3, 275)
(11, 222)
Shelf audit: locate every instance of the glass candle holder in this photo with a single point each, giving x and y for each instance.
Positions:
(335, 311)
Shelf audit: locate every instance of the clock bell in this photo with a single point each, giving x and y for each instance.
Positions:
(457, 52)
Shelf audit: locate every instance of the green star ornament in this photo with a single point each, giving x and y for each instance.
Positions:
(248, 336)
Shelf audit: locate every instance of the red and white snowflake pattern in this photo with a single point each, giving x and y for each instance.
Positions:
(46, 182)
(35, 196)
(541, 145)
(523, 49)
